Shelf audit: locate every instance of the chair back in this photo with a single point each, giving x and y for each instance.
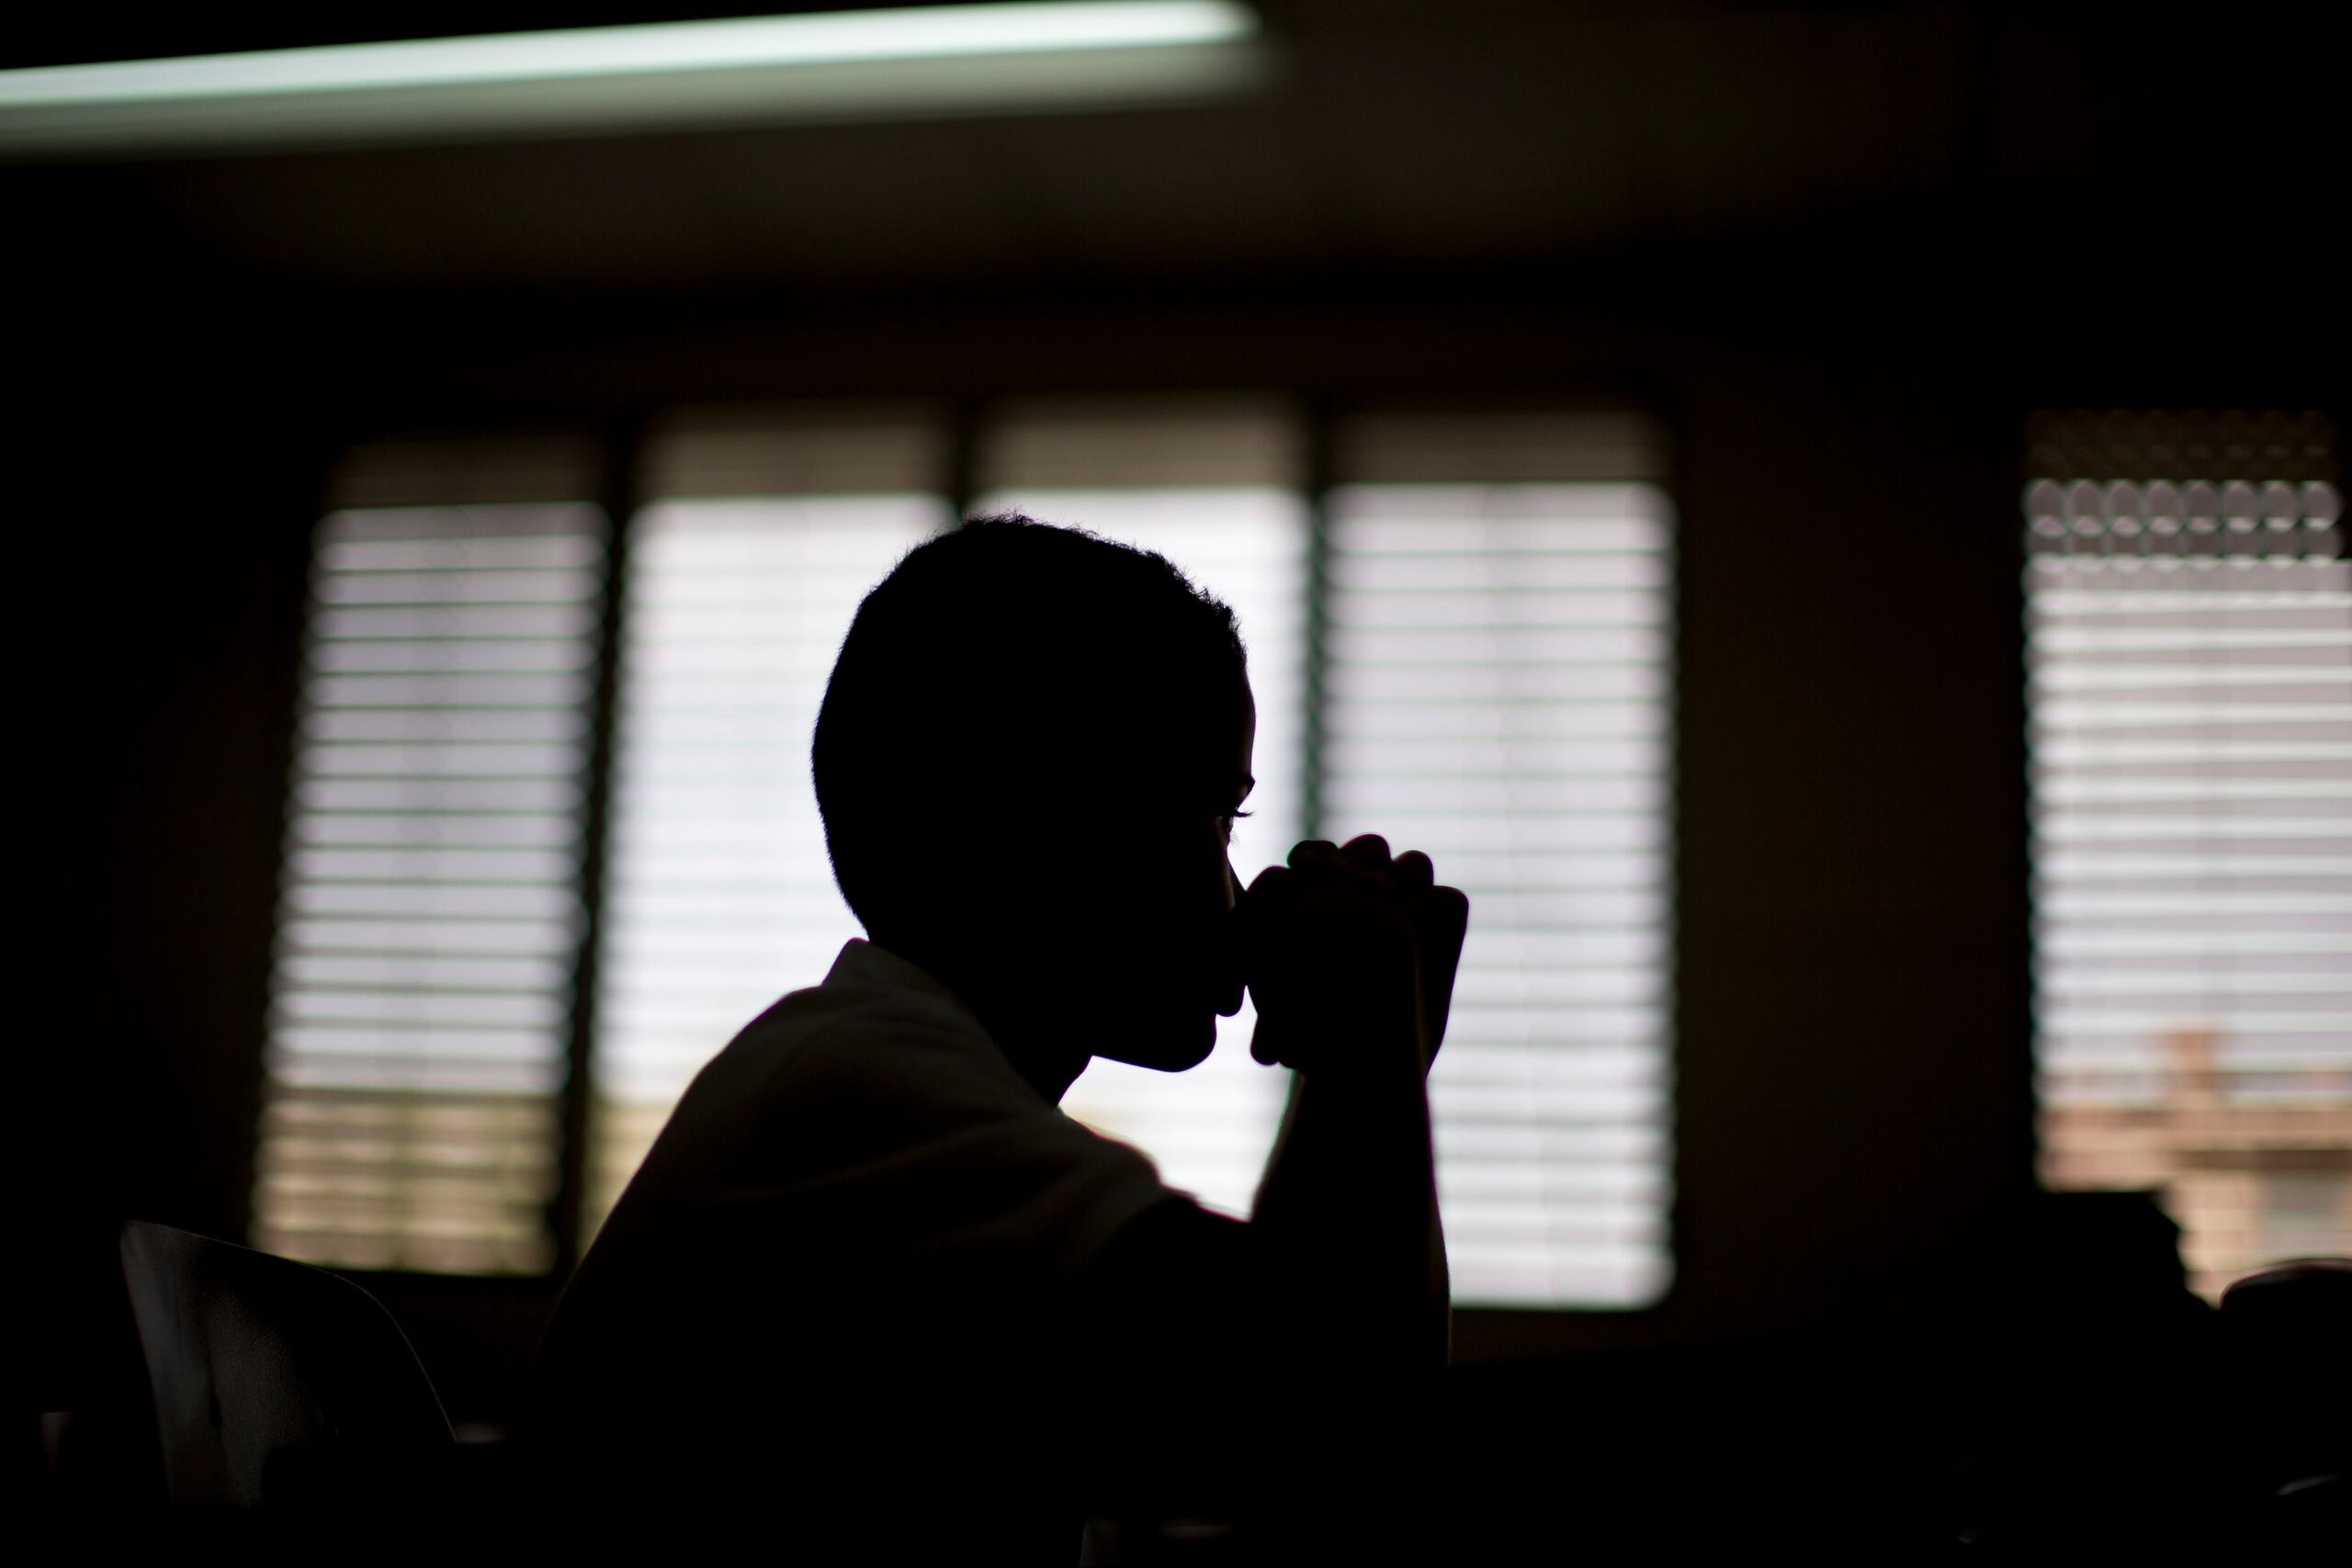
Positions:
(276, 1382)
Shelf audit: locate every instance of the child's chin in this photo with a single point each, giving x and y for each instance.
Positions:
(1170, 1047)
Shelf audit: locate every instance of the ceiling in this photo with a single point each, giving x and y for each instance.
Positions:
(1394, 135)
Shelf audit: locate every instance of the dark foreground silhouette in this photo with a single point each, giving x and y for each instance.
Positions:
(872, 1290)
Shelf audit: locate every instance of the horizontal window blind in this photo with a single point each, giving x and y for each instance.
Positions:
(2189, 638)
(430, 912)
(719, 898)
(1212, 485)
(1498, 692)
(1495, 688)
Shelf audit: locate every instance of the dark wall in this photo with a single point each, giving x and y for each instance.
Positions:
(161, 520)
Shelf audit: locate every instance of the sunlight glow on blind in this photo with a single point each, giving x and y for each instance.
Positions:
(1499, 692)
(1209, 1129)
(1496, 688)
(719, 898)
(430, 910)
(2191, 651)
(1213, 483)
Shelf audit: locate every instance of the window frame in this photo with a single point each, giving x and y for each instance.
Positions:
(624, 448)
(2075, 455)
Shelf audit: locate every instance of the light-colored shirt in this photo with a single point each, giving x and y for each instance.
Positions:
(872, 1116)
(841, 1275)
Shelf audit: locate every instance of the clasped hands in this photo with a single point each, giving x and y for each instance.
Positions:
(1350, 955)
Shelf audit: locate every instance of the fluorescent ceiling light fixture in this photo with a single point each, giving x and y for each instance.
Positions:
(923, 32)
(892, 63)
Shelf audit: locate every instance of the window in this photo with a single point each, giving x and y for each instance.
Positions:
(430, 910)
(1214, 486)
(2190, 652)
(1497, 687)
(1460, 635)
(743, 574)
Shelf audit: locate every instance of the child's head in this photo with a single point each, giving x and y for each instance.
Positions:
(1028, 760)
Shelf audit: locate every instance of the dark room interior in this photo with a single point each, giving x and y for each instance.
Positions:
(1859, 274)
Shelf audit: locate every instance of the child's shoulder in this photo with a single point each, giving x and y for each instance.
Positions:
(849, 1063)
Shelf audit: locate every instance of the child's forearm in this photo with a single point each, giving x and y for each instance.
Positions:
(1348, 1212)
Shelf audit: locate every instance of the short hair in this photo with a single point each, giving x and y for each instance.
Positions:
(1000, 649)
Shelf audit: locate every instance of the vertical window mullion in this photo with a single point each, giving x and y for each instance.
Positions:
(620, 485)
(1320, 483)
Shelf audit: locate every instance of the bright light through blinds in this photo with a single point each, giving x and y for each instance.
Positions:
(719, 898)
(420, 998)
(1211, 484)
(2191, 648)
(1210, 1130)
(1499, 681)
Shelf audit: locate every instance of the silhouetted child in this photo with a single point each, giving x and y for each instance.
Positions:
(872, 1290)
